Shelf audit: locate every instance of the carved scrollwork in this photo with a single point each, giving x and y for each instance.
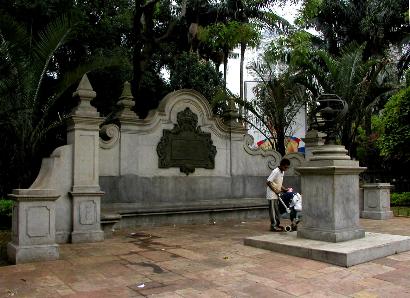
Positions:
(296, 160)
(109, 136)
(272, 156)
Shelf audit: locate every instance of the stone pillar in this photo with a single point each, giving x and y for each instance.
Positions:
(128, 136)
(376, 201)
(83, 134)
(33, 227)
(125, 104)
(313, 140)
(330, 187)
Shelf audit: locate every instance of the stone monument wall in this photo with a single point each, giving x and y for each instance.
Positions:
(180, 160)
(134, 181)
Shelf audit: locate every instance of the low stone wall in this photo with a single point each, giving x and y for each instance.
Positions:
(181, 164)
(137, 180)
(179, 191)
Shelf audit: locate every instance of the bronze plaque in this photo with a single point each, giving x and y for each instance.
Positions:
(186, 146)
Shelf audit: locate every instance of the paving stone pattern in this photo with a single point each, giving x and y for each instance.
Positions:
(204, 261)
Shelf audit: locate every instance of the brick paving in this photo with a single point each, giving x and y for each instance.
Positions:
(204, 261)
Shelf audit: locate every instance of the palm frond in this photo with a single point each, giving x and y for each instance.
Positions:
(14, 33)
(95, 63)
(49, 40)
(69, 78)
(275, 22)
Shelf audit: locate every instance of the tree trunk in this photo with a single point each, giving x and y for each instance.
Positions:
(347, 133)
(368, 122)
(281, 143)
(226, 53)
(280, 137)
(138, 46)
(241, 91)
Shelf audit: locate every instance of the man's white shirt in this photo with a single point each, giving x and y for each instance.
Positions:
(276, 177)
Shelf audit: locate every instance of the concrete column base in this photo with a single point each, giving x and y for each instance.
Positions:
(376, 214)
(18, 254)
(376, 201)
(372, 246)
(330, 186)
(87, 236)
(63, 237)
(330, 235)
(33, 227)
(86, 217)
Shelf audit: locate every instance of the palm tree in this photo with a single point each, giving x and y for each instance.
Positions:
(25, 104)
(221, 36)
(279, 97)
(252, 15)
(360, 83)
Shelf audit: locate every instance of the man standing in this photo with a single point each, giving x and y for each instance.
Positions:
(274, 183)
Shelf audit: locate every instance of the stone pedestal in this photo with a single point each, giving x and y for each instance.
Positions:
(33, 227)
(330, 187)
(83, 134)
(313, 141)
(349, 253)
(330, 231)
(86, 217)
(376, 201)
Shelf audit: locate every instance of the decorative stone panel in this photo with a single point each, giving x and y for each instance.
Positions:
(33, 230)
(376, 201)
(186, 146)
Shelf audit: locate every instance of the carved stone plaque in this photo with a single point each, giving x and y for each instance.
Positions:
(87, 213)
(186, 146)
(38, 221)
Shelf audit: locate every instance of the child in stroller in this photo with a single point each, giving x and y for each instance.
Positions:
(291, 202)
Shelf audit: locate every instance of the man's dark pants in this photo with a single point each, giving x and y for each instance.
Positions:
(274, 213)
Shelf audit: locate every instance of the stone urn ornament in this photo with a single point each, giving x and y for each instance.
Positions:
(328, 114)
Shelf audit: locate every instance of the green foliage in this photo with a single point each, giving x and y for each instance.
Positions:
(394, 124)
(366, 151)
(310, 9)
(6, 207)
(401, 210)
(190, 72)
(221, 36)
(279, 98)
(359, 82)
(226, 36)
(29, 90)
(400, 199)
(23, 103)
(380, 23)
(248, 34)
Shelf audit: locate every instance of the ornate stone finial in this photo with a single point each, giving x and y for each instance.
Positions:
(85, 93)
(232, 116)
(328, 115)
(126, 103)
(126, 92)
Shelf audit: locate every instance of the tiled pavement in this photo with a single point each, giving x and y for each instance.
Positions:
(204, 261)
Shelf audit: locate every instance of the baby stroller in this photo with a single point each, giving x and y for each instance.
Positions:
(291, 202)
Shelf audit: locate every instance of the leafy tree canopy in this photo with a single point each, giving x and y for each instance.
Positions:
(379, 23)
(394, 127)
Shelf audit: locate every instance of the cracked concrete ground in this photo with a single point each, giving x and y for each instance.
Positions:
(204, 261)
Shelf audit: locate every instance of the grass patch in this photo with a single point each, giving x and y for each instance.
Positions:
(401, 211)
